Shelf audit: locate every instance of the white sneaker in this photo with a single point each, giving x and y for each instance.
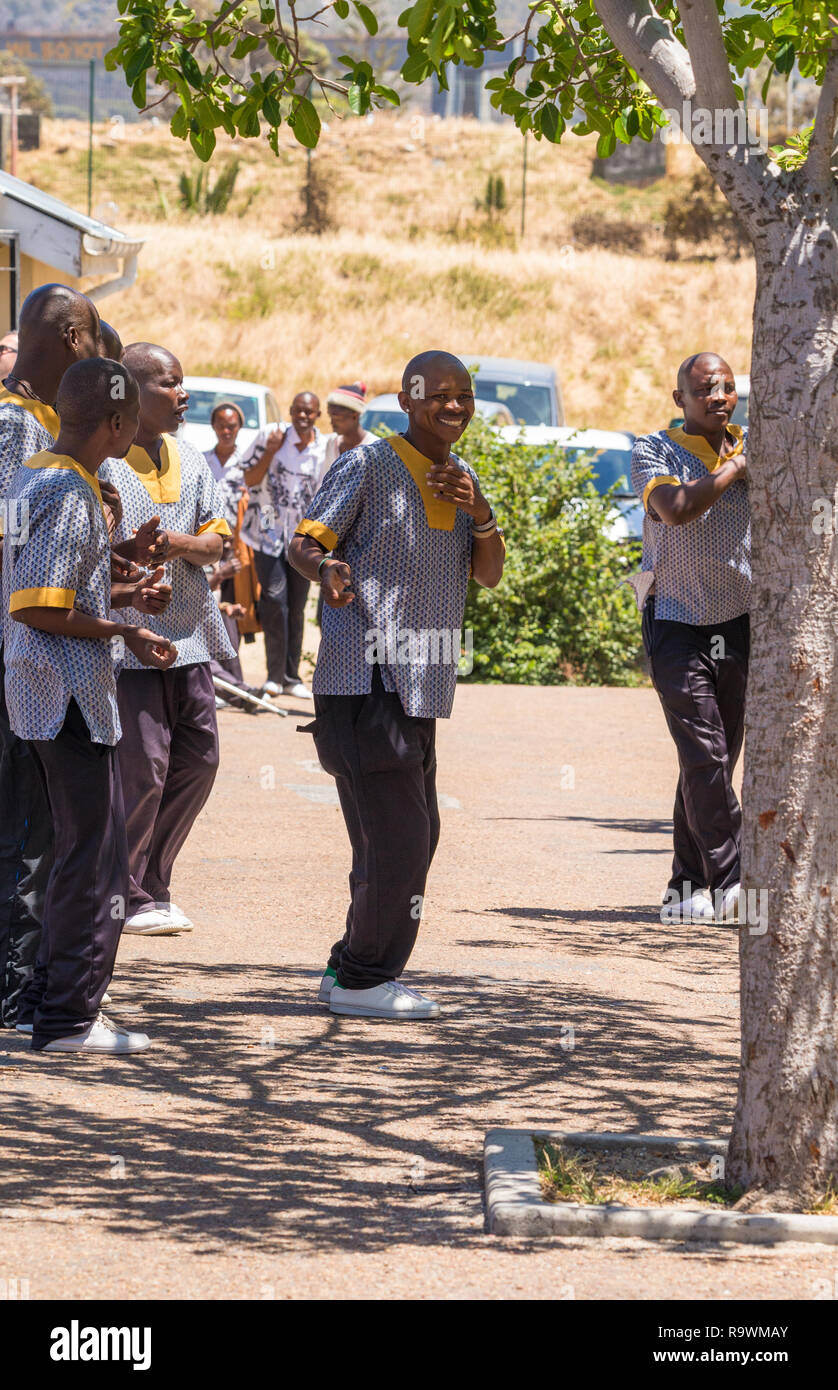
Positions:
(731, 910)
(177, 914)
(153, 921)
(698, 908)
(388, 1000)
(271, 688)
(298, 690)
(327, 984)
(100, 1036)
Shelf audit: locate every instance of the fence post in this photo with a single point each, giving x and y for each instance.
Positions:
(91, 96)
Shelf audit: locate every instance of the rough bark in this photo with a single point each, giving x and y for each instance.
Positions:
(785, 1134)
(784, 1144)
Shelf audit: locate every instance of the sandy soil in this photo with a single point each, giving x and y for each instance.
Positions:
(265, 1148)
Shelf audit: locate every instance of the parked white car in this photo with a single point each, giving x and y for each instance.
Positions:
(257, 403)
(609, 452)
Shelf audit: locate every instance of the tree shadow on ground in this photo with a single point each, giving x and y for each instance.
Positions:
(261, 1121)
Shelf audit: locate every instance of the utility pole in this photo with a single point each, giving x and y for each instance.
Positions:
(524, 186)
(13, 83)
(91, 103)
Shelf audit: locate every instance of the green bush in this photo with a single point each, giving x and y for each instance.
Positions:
(560, 615)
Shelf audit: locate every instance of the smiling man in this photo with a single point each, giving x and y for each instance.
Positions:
(391, 537)
(168, 756)
(697, 555)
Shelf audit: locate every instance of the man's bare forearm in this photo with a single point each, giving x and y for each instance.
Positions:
(675, 505)
(306, 555)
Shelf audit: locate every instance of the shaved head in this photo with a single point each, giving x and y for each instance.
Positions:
(434, 360)
(54, 309)
(147, 360)
(92, 391)
(111, 341)
(702, 363)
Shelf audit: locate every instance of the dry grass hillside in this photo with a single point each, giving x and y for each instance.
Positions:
(409, 261)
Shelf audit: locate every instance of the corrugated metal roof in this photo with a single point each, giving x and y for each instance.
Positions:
(23, 192)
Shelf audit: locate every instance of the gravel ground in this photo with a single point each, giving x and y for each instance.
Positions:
(265, 1148)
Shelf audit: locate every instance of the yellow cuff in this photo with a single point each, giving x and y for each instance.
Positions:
(41, 598)
(218, 527)
(656, 482)
(319, 532)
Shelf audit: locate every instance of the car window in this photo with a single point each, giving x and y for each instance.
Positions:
(528, 405)
(202, 404)
(393, 421)
(609, 466)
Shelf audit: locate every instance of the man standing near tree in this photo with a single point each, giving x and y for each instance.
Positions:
(282, 470)
(697, 575)
(406, 522)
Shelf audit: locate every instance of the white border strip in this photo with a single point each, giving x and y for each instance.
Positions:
(515, 1206)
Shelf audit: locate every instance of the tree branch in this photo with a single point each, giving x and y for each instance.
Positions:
(822, 144)
(648, 45)
(706, 47)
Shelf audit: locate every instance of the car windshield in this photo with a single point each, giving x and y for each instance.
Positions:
(528, 405)
(393, 421)
(609, 466)
(740, 414)
(203, 403)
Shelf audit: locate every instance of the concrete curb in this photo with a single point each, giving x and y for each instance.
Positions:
(515, 1206)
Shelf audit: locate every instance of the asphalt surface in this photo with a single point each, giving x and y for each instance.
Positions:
(265, 1148)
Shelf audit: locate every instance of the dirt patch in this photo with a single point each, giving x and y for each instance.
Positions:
(635, 1176)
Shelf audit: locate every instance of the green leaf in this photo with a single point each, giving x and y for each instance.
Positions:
(632, 123)
(271, 110)
(180, 123)
(368, 19)
(138, 91)
(416, 68)
(419, 19)
(342, 9)
(606, 144)
(549, 121)
(387, 93)
(142, 58)
(305, 122)
(190, 68)
(203, 143)
(358, 99)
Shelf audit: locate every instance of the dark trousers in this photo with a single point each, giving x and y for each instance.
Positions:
(384, 765)
(700, 675)
(25, 861)
(84, 909)
(232, 665)
(281, 608)
(168, 758)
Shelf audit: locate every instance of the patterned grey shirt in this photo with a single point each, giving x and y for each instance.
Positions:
(186, 497)
(64, 562)
(409, 554)
(702, 569)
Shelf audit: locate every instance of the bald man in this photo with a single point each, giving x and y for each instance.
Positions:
(282, 469)
(168, 755)
(391, 537)
(696, 574)
(58, 327)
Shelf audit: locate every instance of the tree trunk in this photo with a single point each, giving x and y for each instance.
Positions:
(784, 1144)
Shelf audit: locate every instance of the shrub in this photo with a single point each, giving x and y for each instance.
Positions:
(197, 194)
(702, 214)
(560, 614)
(618, 234)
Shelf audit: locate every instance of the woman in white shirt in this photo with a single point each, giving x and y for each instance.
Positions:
(226, 420)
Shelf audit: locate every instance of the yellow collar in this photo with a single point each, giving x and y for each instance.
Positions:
(44, 414)
(440, 515)
(162, 484)
(47, 459)
(696, 444)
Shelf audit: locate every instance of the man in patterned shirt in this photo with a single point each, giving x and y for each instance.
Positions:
(391, 537)
(168, 754)
(58, 326)
(61, 697)
(697, 572)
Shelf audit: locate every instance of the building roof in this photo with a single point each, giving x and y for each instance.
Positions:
(35, 198)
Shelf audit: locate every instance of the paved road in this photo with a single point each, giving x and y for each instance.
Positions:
(298, 1155)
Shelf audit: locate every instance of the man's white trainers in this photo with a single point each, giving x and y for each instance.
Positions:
(177, 914)
(101, 1036)
(388, 1000)
(327, 984)
(731, 909)
(153, 921)
(297, 690)
(271, 689)
(697, 908)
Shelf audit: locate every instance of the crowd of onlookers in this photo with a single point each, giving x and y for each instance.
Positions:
(267, 488)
